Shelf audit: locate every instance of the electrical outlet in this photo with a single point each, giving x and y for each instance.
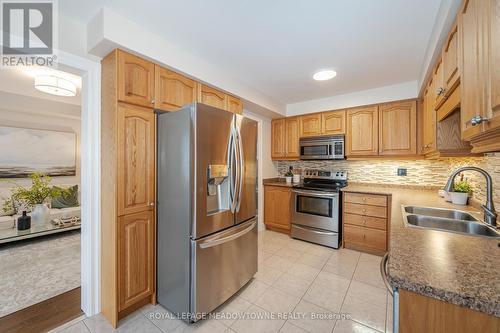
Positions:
(401, 171)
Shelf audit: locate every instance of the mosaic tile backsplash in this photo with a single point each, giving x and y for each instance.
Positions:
(419, 172)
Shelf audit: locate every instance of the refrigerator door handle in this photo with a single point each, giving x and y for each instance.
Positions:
(231, 157)
(212, 243)
(240, 166)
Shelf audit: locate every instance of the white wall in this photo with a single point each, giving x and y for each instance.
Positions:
(44, 116)
(266, 167)
(395, 92)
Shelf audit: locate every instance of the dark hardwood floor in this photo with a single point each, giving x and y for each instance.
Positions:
(44, 316)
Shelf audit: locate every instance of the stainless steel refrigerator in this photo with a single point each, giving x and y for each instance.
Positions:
(207, 207)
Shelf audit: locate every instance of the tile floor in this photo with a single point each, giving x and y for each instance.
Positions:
(322, 290)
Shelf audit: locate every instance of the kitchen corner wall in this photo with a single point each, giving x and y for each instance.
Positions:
(419, 172)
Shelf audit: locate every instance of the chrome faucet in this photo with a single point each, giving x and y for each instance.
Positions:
(490, 215)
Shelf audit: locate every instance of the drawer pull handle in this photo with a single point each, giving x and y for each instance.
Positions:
(364, 199)
(364, 222)
(364, 210)
(364, 236)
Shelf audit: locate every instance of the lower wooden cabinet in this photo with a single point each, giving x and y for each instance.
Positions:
(419, 313)
(135, 258)
(278, 207)
(366, 222)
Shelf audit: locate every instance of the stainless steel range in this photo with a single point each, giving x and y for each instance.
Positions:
(317, 202)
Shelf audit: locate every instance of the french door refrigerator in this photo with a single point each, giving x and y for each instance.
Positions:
(207, 206)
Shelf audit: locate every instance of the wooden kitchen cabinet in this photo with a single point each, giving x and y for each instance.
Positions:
(429, 121)
(127, 191)
(292, 150)
(333, 122)
(172, 90)
(278, 208)
(362, 131)
(439, 85)
(419, 313)
(234, 104)
(136, 159)
(136, 79)
(398, 128)
(136, 258)
(366, 222)
(310, 125)
(278, 137)
(211, 96)
(450, 62)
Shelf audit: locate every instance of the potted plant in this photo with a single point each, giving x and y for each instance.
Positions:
(36, 196)
(460, 193)
(289, 176)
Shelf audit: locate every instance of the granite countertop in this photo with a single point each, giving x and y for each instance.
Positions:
(278, 182)
(459, 269)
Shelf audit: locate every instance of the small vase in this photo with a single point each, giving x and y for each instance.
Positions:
(40, 214)
(459, 198)
(288, 180)
(296, 179)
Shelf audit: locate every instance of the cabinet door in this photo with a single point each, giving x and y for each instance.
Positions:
(234, 104)
(292, 137)
(450, 62)
(173, 90)
(211, 96)
(362, 131)
(135, 80)
(493, 103)
(310, 125)
(439, 85)
(429, 121)
(333, 122)
(471, 86)
(277, 207)
(398, 128)
(136, 159)
(135, 257)
(278, 138)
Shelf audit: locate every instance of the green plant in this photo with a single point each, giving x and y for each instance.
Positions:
(39, 191)
(289, 173)
(462, 186)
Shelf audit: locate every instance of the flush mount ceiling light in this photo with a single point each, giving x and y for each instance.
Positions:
(55, 85)
(324, 75)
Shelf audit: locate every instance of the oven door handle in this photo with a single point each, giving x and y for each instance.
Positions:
(315, 230)
(316, 194)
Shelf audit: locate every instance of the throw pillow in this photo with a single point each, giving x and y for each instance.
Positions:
(68, 197)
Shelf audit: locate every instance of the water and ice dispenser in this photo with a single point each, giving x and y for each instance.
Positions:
(217, 188)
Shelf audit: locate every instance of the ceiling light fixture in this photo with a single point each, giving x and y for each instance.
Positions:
(324, 75)
(55, 85)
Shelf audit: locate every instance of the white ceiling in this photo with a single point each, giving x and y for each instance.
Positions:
(276, 46)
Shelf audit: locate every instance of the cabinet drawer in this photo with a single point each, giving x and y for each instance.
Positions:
(366, 221)
(365, 237)
(367, 199)
(365, 210)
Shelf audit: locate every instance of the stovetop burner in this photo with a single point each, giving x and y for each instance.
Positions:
(321, 180)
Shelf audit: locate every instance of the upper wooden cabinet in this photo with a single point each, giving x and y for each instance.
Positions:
(429, 121)
(136, 258)
(234, 104)
(278, 131)
(333, 122)
(439, 85)
(450, 62)
(310, 125)
(172, 90)
(136, 159)
(285, 138)
(136, 80)
(292, 138)
(211, 96)
(362, 131)
(398, 128)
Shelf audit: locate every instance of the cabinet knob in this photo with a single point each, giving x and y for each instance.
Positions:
(364, 222)
(364, 199)
(440, 91)
(476, 120)
(152, 204)
(153, 101)
(364, 210)
(364, 236)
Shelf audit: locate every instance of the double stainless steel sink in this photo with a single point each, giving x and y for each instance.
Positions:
(449, 220)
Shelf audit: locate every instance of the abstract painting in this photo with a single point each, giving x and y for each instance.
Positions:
(24, 151)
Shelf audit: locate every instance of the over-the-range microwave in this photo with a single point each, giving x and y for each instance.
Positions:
(322, 148)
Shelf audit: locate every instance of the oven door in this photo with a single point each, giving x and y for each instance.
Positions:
(316, 209)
